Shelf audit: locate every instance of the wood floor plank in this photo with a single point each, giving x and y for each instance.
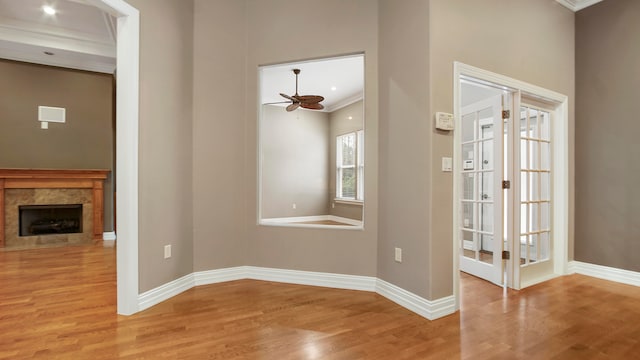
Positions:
(60, 303)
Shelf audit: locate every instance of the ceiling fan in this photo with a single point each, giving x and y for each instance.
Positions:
(311, 102)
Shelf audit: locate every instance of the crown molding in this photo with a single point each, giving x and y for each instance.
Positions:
(577, 5)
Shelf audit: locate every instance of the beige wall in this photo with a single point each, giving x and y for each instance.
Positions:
(405, 138)
(348, 119)
(165, 142)
(295, 162)
(219, 108)
(607, 129)
(532, 41)
(281, 31)
(85, 141)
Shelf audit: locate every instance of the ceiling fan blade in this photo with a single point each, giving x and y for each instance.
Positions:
(310, 98)
(277, 102)
(312, 106)
(293, 106)
(288, 97)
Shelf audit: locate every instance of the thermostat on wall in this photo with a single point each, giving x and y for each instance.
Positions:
(444, 121)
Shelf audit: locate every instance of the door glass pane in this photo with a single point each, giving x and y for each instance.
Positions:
(545, 125)
(534, 156)
(468, 157)
(533, 124)
(485, 122)
(468, 125)
(534, 217)
(467, 244)
(523, 122)
(524, 215)
(486, 248)
(544, 242)
(467, 215)
(534, 183)
(486, 217)
(523, 249)
(545, 185)
(524, 185)
(533, 248)
(545, 158)
(545, 216)
(487, 186)
(468, 186)
(524, 155)
(486, 150)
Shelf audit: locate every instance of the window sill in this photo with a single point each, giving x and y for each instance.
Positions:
(349, 201)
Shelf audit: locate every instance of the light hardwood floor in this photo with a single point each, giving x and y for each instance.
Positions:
(59, 303)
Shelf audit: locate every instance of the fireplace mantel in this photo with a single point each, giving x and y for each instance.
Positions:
(56, 179)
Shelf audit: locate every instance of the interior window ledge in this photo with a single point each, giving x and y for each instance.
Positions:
(349, 201)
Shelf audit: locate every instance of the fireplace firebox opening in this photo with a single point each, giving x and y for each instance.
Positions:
(50, 219)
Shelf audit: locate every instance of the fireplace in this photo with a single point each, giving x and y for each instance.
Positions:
(50, 219)
(77, 196)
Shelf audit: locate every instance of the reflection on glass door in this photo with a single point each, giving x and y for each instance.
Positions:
(535, 185)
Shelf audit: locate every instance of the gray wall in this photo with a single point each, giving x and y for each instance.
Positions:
(219, 112)
(340, 124)
(607, 130)
(278, 31)
(85, 141)
(295, 162)
(165, 143)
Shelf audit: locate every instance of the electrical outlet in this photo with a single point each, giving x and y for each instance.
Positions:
(167, 251)
(398, 255)
(293, 206)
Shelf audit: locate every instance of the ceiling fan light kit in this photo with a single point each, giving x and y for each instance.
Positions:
(311, 102)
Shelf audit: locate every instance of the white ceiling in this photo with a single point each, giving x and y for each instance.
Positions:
(317, 77)
(79, 35)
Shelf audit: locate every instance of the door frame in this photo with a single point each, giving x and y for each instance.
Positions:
(560, 167)
(127, 100)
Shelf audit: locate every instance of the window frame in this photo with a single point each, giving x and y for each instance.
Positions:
(358, 167)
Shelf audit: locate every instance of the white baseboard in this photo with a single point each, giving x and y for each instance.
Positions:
(605, 272)
(109, 236)
(338, 281)
(430, 309)
(164, 292)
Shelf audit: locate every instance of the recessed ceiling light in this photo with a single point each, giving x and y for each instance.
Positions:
(333, 88)
(350, 118)
(49, 10)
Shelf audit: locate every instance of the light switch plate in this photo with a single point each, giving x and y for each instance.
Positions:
(447, 164)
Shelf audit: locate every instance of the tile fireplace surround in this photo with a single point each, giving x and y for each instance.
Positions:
(51, 187)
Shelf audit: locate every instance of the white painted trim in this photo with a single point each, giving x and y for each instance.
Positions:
(338, 281)
(164, 292)
(577, 5)
(430, 309)
(605, 272)
(344, 103)
(127, 89)
(538, 280)
(220, 275)
(109, 236)
(292, 222)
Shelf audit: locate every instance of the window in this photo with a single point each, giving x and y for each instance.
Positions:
(350, 166)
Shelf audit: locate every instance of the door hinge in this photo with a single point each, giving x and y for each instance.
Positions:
(506, 184)
(506, 255)
(506, 114)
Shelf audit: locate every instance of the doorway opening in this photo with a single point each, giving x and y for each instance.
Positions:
(510, 180)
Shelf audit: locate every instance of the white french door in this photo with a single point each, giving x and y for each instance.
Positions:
(481, 230)
(505, 179)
